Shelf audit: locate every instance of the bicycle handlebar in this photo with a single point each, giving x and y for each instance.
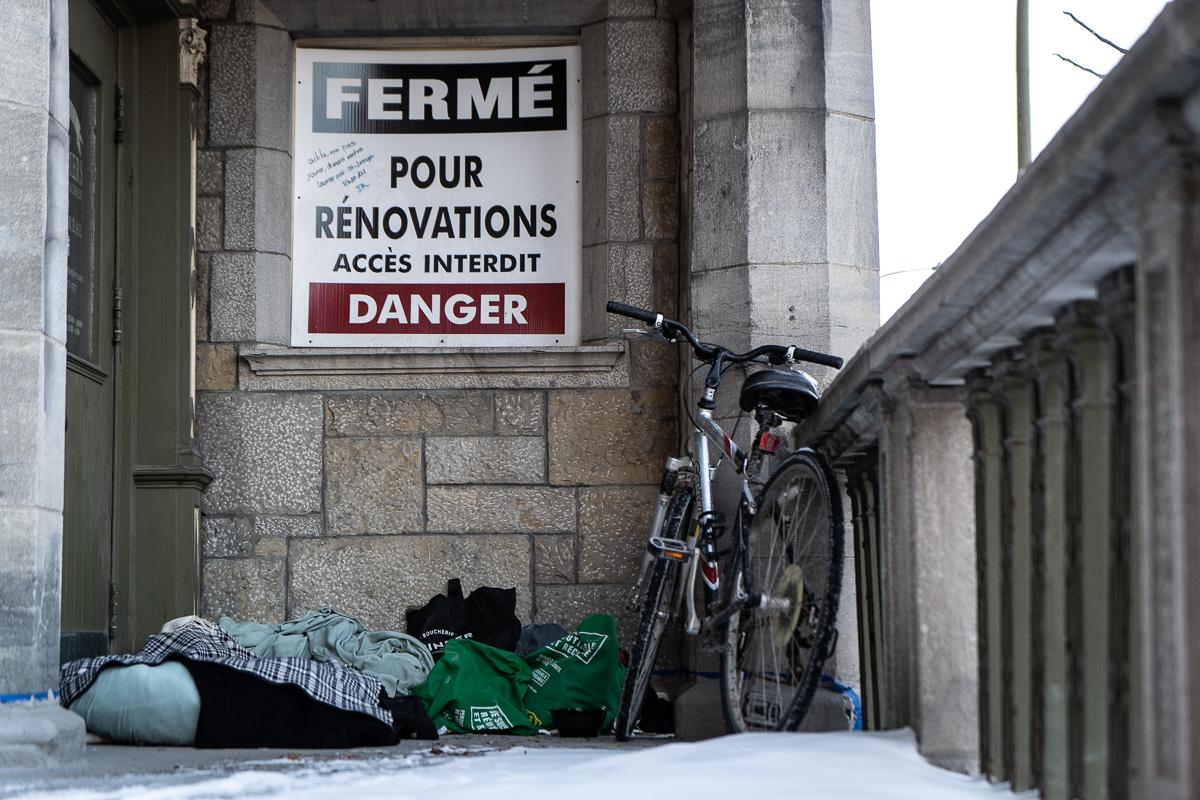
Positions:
(633, 312)
(776, 353)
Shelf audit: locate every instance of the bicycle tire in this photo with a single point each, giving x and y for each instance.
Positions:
(660, 588)
(794, 547)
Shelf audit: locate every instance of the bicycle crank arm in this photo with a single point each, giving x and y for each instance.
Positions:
(693, 619)
(715, 625)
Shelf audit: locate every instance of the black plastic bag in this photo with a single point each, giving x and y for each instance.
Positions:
(409, 718)
(487, 615)
(535, 637)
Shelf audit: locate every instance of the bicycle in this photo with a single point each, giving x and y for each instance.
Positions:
(772, 614)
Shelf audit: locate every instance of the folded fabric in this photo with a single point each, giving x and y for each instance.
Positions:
(329, 683)
(142, 704)
(239, 709)
(397, 659)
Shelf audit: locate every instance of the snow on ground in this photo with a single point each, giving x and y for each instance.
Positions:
(812, 766)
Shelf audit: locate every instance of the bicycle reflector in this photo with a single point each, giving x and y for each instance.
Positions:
(768, 442)
(668, 548)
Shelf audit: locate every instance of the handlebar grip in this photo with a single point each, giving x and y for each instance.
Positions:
(813, 357)
(614, 307)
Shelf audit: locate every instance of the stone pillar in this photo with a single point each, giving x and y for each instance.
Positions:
(1090, 548)
(1050, 373)
(862, 485)
(785, 243)
(243, 237)
(1168, 361)
(33, 238)
(1017, 407)
(928, 573)
(984, 411)
(781, 220)
(631, 167)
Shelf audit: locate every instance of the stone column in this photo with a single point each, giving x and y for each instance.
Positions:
(930, 665)
(781, 220)
(1168, 362)
(862, 485)
(1016, 399)
(631, 167)
(984, 411)
(33, 238)
(1091, 536)
(1049, 371)
(785, 243)
(946, 587)
(247, 152)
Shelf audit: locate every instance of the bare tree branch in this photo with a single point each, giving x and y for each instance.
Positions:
(1098, 36)
(1081, 66)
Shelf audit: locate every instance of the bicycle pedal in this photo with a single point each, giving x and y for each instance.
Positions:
(673, 549)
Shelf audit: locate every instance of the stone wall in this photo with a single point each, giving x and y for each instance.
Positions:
(364, 479)
(33, 325)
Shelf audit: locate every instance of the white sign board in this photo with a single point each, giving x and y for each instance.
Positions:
(437, 198)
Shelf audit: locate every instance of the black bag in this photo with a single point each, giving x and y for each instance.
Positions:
(487, 615)
(409, 718)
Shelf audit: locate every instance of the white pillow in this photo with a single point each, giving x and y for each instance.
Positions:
(142, 704)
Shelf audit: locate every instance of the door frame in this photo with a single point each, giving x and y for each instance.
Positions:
(158, 474)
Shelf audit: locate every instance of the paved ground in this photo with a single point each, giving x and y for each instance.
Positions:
(815, 766)
(108, 767)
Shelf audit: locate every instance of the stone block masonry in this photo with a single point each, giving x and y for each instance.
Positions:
(369, 501)
(364, 479)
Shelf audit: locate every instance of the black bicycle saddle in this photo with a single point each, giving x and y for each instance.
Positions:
(792, 395)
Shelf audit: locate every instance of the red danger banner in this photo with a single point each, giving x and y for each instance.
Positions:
(439, 308)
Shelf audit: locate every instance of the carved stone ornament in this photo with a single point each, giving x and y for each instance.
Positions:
(192, 50)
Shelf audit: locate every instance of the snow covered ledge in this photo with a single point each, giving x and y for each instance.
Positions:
(1019, 445)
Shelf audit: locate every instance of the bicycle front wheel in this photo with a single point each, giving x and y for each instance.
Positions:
(792, 556)
(656, 610)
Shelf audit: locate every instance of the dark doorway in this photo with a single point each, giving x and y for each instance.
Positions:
(91, 353)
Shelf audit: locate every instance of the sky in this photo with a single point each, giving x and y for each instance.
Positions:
(813, 766)
(945, 112)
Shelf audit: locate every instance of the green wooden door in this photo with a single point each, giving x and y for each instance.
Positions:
(91, 366)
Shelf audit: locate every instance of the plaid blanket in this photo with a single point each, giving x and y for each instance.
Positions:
(328, 682)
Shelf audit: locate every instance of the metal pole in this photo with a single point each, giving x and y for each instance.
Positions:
(1024, 147)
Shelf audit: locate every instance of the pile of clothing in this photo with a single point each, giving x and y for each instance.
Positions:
(325, 680)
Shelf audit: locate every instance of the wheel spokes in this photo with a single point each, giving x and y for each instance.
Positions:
(786, 539)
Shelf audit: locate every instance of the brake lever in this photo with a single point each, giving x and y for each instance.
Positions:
(653, 335)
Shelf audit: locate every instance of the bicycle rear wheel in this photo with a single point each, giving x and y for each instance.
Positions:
(656, 610)
(792, 553)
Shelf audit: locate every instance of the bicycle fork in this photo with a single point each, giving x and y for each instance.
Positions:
(657, 546)
(710, 524)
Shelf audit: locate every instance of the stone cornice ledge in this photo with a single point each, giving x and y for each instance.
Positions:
(287, 361)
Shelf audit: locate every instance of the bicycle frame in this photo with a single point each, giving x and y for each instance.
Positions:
(709, 523)
(662, 592)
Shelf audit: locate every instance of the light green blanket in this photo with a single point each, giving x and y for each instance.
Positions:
(400, 661)
(142, 704)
